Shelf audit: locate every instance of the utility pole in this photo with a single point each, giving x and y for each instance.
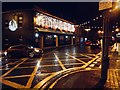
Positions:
(105, 49)
(105, 6)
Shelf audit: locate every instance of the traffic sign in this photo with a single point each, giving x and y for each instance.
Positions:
(105, 4)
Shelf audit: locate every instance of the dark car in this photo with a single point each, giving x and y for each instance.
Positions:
(23, 51)
(95, 44)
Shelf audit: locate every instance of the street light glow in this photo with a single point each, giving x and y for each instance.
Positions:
(87, 29)
(117, 30)
(36, 35)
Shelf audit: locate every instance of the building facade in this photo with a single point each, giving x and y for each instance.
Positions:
(37, 28)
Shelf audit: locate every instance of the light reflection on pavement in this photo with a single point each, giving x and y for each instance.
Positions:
(33, 72)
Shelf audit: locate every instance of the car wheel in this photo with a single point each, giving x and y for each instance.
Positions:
(31, 54)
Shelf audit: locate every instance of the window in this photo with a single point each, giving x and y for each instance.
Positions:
(6, 24)
(20, 21)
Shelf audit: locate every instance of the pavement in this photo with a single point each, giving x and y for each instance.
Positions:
(91, 79)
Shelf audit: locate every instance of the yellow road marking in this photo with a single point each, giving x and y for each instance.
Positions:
(40, 84)
(25, 67)
(48, 65)
(85, 56)
(91, 54)
(55, 82)
(12, 84)
(11, 63)
(87, 68)
(28, 85)
(92, 65)
(76, 59)
(88, 63)
(59, 62)
(8, 77)
(24, 59)
(100, 66)
(42, 74)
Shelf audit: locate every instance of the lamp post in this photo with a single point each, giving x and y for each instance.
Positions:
(87, 30)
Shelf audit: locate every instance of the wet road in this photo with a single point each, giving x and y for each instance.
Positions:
(35, 72)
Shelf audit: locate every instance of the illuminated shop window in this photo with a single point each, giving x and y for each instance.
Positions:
(20, 18)
(20, 21)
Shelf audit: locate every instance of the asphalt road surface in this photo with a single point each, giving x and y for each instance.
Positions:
(35, 72)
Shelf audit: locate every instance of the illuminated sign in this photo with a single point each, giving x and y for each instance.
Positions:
(46, 21)
(105, 4)
(13, 25)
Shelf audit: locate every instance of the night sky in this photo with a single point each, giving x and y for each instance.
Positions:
(76, 12)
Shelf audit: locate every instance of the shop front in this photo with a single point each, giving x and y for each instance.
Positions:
(36, 28)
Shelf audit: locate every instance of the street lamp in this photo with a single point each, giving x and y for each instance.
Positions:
(87, 30)
(117, 29)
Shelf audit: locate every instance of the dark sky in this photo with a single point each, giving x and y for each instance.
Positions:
(76, 12)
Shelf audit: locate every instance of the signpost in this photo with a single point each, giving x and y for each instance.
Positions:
(105, 5)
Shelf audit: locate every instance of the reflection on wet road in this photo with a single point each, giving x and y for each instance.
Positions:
(34, 72)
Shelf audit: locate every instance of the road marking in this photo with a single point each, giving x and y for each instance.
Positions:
(11, 84)
(95, 62)
(8, 77)
(88, 63)
(100, 66)
(98, 59)
(73, 64)
(60, 62)
(92, 65)
(55, 82)
(28, 85)
(40, 84)
(86, 56)
(88, 68)
(10, 63)
(91, 54)
(24, 59)
(76, 59)
(25, 67)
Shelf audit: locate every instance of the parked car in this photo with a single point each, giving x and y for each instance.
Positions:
(2, 53)
(88, 42)
(95, 44)
(23, 51)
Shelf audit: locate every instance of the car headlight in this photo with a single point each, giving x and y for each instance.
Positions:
(5, 53)
(36, 50)
(31, 47)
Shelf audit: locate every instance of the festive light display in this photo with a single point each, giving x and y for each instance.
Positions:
(50, 22)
